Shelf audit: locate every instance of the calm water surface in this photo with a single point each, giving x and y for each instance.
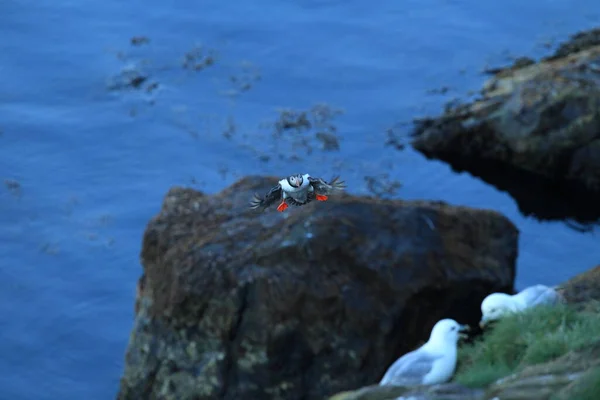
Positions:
(93, 164)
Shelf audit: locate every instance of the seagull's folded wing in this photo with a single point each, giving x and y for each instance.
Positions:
(410, 369)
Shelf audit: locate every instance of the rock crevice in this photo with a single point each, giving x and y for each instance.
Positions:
(232, 345)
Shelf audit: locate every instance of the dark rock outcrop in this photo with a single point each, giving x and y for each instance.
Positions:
(578, 42)
(235, 304)
(582, 288)
(534, 132)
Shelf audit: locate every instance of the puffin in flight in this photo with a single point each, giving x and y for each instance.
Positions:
(297, 190)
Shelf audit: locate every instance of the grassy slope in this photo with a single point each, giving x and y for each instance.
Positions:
(536, 336)
(588, 388)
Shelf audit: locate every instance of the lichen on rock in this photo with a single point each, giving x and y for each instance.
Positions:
(239, 304)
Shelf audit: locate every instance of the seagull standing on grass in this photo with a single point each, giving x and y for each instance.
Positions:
(432, 363)
(497, 305)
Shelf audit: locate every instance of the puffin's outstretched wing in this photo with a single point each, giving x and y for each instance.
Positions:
(271, 197)
(322, 187)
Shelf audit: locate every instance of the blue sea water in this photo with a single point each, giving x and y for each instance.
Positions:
(86, 166)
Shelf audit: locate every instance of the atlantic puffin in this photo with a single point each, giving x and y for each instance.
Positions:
(297, 190)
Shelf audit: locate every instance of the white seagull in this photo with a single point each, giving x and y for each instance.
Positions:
(432, 363)
(497, 305)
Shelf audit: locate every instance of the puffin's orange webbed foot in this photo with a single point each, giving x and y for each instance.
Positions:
(321, 197)
(282, 207)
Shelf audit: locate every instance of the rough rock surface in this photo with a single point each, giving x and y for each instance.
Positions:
(582, 288)
(237, 304)
(533, 132)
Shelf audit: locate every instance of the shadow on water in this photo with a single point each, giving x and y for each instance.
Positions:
(535, 196)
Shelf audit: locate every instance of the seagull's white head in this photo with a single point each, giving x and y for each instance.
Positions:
(448, 331)
(494, 306)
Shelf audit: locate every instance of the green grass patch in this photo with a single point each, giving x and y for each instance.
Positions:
(532, 337)
(588, 388)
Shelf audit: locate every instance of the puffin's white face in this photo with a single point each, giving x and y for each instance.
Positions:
(295, 180)
(494, 307)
